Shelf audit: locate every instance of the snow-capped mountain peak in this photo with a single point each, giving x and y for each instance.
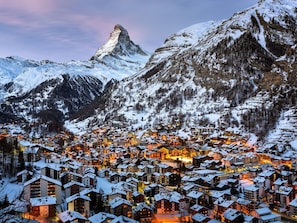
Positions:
(226, 73)
(118, 44)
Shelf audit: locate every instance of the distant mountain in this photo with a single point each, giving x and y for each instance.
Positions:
(47, 91)
(234, 73)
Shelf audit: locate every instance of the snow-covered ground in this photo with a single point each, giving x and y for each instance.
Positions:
(11, 190)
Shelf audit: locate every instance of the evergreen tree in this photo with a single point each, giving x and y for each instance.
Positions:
(5, 202)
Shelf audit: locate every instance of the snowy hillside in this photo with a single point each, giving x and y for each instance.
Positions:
(216, 73)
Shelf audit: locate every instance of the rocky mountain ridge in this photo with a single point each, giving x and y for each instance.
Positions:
(237, 73)
(232, 73)
(51, 92)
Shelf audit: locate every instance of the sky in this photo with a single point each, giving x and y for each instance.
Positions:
(64, 30)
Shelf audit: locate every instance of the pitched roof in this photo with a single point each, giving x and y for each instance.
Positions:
(39, 177)
(194, 194)
(77, 196)
(101, 217)
(118, 201)
(42, 201)
(171, 196)
(69, 216)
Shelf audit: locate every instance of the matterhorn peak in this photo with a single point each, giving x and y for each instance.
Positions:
(118, 44)
(119, 32)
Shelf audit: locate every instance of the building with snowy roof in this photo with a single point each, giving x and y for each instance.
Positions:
(72, 216)
(41, 186)
(43, 206)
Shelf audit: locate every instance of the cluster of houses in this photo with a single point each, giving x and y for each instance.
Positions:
(105, 176)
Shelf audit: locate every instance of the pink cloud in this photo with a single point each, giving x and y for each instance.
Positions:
(29, 6)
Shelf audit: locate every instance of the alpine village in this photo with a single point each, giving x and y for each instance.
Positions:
(202, 130)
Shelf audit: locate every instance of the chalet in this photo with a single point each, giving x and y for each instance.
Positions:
(42, 186)
(167, 202)
(287, 175)
(196, 208)
(43, 206)
(163, 168)
(152, 190)
(164, 178)
(73, 166)
(252, 193)
(293, 207)
(138, 197)
(174, 179)
(228, 161)
(211, 164)
(117, 193)
(200, 218)
(141, 168)
(116, 177)
(72, 216)
(221, 205)
(244, 205)
(79, 203)
(215, 195)
(102, 217)
(195, 197)
(133, 181)
(250, 219)
(132, 168)
(157, 178)
(72, 188)
(89, 180)
(260, 183)
(251, 157)
(143, 213)
(69, 176)
(233, 216)
(279, 182)
(164, 152)
(283, 196)
(104, 173)
(265, 215)
(153, 154)
(120, 206)
(219, 154)
(96, 202)
(31, 155)
(270, 176)
(187, 188)
(208, 181)
(46, 152)
(149, 169)
(122, 168)
(52, 171)
(24, 176)
(129, 189)
(141, 176)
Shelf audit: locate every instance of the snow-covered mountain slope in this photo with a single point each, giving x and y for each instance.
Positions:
(216, 73)
(29, 87)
